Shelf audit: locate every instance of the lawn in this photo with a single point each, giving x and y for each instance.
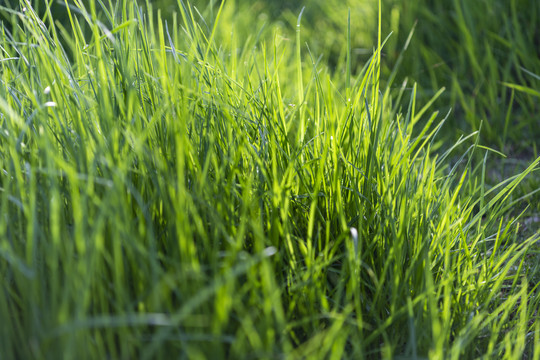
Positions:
(257, 180)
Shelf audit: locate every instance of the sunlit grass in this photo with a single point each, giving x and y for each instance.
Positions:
(164, 194)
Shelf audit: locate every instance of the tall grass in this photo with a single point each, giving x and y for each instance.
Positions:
(164, 194)
(470, 47)
(473, 48)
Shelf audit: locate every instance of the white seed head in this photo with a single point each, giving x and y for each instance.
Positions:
(354, 236)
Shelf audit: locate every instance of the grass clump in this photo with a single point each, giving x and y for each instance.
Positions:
(162, 193)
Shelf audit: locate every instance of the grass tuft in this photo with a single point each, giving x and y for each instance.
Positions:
(166, 189)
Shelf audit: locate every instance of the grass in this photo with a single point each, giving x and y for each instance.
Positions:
(473, 49)
(181, 188)
(493, 43)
